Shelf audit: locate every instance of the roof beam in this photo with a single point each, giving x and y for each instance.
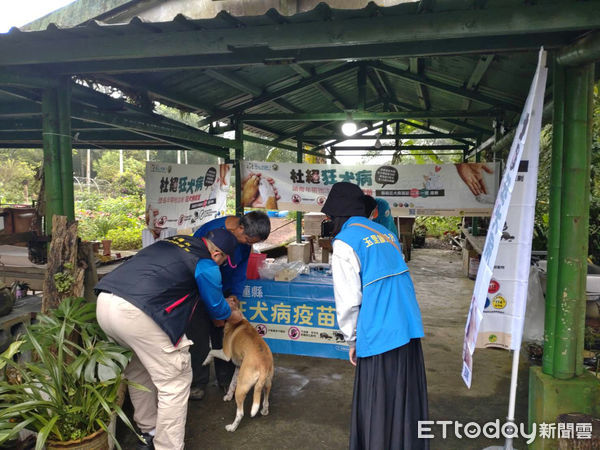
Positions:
(20, 109)
(415, 67)
(245, 86)
(359, 133)
(458, 91)
(160, 92)
(266, 98)
(433, 30)
(401, 146)
(14, 78)
(367, 115)
(152, 125)
(483, 64)
(584, 51)
(322, 87)
(264, 56)
(271, 143)
(424, 127)
(414, 136)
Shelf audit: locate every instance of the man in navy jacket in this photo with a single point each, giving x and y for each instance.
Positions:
(146, 305)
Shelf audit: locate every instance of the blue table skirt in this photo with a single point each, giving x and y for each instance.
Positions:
(296, 317)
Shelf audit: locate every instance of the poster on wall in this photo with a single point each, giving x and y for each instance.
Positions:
(520, 221)
(466, 189)
(183, 197)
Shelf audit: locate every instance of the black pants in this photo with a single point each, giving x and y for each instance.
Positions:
(390, 397)
(203, 332)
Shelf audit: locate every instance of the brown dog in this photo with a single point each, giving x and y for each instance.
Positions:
(254, 366)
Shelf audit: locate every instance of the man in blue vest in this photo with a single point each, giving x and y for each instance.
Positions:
(146, 305)
(379, 316)
(248, 229)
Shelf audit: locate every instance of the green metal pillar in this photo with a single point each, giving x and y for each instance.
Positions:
(299, 213)
(562, 385)
(65, 147)
(52, 178)
(239, 157)
(558, 123)
(570, 313)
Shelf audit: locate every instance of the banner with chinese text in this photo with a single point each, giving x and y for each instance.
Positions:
(184, 196)
(466, 189)
(504, 312)
(295, 317)
(527, 136)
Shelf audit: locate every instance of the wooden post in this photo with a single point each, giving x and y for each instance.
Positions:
(62, 259)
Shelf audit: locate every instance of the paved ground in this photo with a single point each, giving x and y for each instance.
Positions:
(311, 397)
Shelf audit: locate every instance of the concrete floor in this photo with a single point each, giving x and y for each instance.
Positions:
(311, 397)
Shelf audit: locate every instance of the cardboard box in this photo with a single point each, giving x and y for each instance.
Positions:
(299, 252)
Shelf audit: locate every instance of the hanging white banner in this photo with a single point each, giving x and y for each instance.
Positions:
(512, 224)
(184, 196)
(506, 302)
(467, 189)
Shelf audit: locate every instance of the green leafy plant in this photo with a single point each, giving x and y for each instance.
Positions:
(64, 280)
(71, 388)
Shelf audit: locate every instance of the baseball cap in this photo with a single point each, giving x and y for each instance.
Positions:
(223, 239)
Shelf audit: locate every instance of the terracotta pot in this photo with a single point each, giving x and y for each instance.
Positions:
(95, 441)
(106, 247)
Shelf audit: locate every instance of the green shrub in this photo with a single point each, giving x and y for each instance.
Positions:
(438, 226)
(126, 238)
(120, 219)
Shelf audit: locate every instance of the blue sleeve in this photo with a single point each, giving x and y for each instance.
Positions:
(200, 232)
(208, 279)
(234, 279)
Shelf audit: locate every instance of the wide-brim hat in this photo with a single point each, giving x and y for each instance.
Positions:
(223, 239)
(344, 200)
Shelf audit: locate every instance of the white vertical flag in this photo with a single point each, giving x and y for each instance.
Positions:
(516, 252)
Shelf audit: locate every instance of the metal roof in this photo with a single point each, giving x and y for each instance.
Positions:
(451, 66)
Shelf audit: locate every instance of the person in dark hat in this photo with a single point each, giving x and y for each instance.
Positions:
(146, 305)
(379, 316)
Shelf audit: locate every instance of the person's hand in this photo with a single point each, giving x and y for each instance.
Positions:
(472, 175)
(272, 183)
(235, 317)
(352, 355)
(250, 189)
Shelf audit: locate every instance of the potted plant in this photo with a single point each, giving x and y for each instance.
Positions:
(70, 391)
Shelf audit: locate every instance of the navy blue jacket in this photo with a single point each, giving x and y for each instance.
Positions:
(166, 280)
(234, 278)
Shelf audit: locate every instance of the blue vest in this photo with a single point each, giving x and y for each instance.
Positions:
(389, 315)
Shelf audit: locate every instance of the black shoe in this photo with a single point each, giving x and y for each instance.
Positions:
(198, 392)
(148, 443)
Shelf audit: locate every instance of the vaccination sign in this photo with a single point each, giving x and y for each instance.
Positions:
(466, 189)
(296, 318)
(184, 196)
(511, 228)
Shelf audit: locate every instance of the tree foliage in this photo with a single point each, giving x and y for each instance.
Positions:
(18, 168)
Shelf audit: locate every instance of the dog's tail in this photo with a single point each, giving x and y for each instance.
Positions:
(258, 387)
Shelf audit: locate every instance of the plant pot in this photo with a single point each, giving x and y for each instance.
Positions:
(106, 247)
(95, 246)
(95, 441)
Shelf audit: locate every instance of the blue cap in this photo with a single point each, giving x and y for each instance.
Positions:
(223, 239)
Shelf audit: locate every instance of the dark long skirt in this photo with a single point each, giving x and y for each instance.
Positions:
(390, 397)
